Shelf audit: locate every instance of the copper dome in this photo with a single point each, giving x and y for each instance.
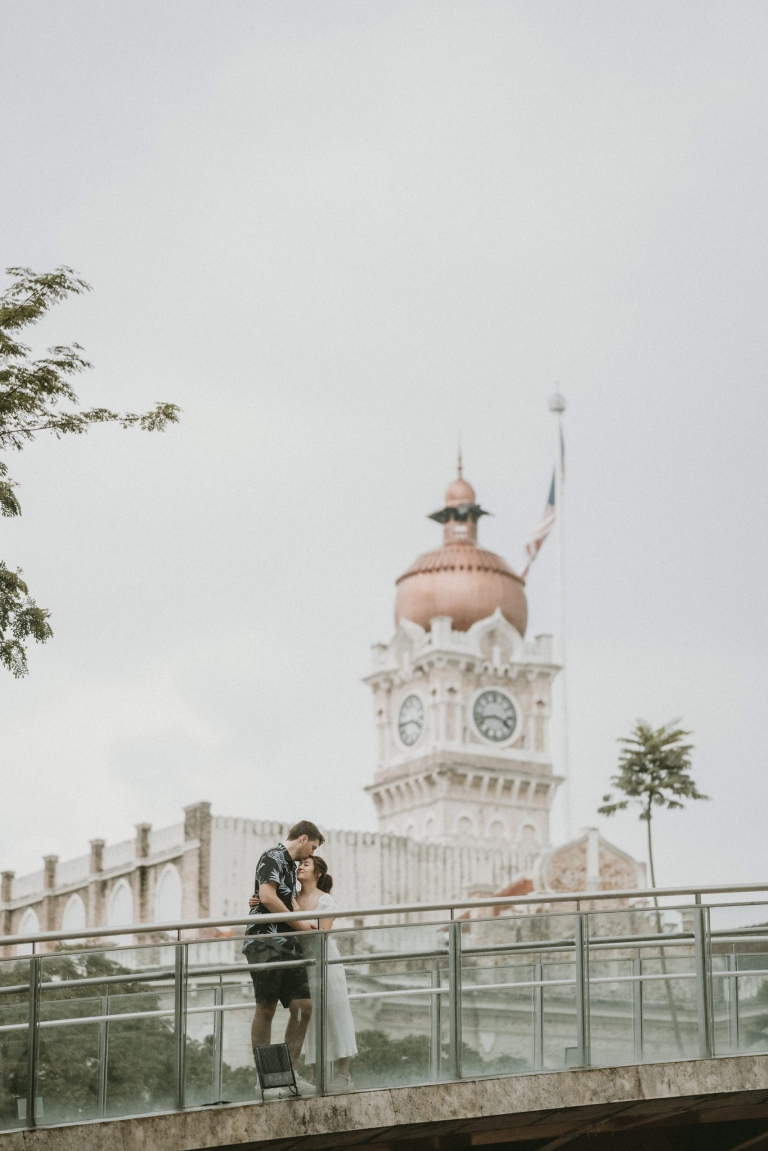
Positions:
(460, 580)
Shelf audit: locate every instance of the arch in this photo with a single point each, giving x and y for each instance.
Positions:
(74, 917)
(120, 913)
(528, 839)
(506, 636)
(168, 895)
(498, 833)
(30, 925)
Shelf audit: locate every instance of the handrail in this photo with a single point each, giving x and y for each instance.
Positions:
(512, 901)
(455, 960)
(597, 943)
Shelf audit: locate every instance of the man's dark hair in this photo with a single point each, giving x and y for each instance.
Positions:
(306, 827)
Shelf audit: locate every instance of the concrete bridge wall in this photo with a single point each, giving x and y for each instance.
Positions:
(711, 1103)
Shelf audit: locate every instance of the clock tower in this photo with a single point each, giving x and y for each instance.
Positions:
(462, 701)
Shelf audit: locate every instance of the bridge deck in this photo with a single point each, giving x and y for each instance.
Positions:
(657, 1102)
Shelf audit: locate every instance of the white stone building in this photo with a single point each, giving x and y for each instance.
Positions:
(463, 787)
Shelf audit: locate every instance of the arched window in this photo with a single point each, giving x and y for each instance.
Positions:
(120, 912)
(168, 897)
(529, 845)
(497, 833)
(30, 925)
(74, 914)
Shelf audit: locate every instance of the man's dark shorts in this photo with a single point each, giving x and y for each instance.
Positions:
(280, 983)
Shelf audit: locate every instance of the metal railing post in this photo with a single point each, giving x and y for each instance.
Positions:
(454, 996)
(538, 1018)
(703, 979)
(637, 1009)
(435, 1028)
(318, 1009)
(733, 1005)
(33, 1037)
(218, 1024)
(179, 1023)
(581, 943)
(101, 1089)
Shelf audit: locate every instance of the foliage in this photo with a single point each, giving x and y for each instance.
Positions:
(31, 392)
(653, 772)
(20, 619)
(382, 1060)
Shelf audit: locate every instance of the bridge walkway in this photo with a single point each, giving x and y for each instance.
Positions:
(710, 1105)
(540, 1020)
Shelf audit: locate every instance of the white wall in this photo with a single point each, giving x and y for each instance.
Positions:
(369, 869)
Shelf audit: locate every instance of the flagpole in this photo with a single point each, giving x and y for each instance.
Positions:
(560, 694)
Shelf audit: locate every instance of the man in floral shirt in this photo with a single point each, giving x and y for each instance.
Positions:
(275, 943)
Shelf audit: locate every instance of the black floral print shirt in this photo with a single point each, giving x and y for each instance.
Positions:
(275, 866)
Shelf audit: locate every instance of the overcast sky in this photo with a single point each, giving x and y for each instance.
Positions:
(335, 233)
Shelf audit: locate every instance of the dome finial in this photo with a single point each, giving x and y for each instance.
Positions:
(461, 466)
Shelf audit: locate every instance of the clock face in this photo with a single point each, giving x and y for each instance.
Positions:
(495, 716)
(411, 720)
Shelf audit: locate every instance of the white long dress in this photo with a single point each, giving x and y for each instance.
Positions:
(340, 1028)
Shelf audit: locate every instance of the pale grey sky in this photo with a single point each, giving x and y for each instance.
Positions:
(335, 233)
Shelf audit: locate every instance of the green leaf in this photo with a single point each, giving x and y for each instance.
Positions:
(31, 394)
(20, 619)
(654, 770)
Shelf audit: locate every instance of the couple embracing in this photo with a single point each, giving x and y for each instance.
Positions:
(292, 877)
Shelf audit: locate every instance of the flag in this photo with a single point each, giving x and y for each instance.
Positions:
(544, 526)
(541, 531)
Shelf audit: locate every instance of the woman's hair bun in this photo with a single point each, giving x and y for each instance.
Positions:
(324, 880)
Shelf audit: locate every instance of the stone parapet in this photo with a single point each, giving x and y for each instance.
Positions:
(655, 1105)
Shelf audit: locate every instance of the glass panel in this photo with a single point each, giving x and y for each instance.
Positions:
(105, 1066)
(724, 1005)
(559, 1038)
(14, 1014)
(395, 979)
(643, 1005)
(750, 1002)
(238, 1077)
(140, 1052)
(517, 993)
(202, 1043)
(740, 1001)
(669, 1012)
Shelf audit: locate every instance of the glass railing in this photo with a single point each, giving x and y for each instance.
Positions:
(160, 1020)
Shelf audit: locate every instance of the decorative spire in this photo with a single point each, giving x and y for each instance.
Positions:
(461, 467)
(460, 514)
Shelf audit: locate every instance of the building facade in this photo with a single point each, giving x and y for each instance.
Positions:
(463, 786)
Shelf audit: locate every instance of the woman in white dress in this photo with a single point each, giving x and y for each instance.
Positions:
(315, 895)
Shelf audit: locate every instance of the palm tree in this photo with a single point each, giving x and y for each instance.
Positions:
(654, 767)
